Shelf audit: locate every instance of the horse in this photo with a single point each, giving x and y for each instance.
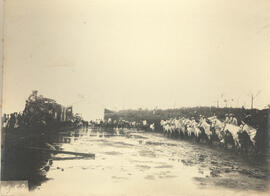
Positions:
(206, 132)
(217, 128)
(247, 136)
(231, 136)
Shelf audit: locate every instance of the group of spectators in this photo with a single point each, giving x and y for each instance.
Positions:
(13, 120)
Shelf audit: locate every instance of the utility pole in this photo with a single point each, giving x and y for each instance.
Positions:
(253, 98)
(226, 103)
(222, 97)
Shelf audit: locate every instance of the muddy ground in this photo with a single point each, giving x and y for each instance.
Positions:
(132, 162)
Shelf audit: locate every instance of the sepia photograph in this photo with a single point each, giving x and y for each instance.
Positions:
(135, 97)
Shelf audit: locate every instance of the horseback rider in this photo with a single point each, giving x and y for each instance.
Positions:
(234, 120)
(227, 119)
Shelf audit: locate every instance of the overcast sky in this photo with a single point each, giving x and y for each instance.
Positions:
(124, 54)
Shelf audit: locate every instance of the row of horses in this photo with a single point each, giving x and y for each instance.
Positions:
(212, 131)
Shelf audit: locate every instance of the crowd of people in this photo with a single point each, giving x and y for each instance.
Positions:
(13, 120)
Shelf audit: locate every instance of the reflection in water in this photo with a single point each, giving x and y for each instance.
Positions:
(63, 139)
(22, 163)
(152, 163)
(67, 158)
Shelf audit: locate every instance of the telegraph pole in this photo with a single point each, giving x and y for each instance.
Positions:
(226, 103)
(253, 98)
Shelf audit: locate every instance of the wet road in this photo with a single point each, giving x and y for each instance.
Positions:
(130, 162)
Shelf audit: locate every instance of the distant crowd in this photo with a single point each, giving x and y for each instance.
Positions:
(13, 120)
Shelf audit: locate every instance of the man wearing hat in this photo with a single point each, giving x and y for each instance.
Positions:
(200, 120)
(242, 126)
(200, 117)
(227, 120)
(234, 120)
(230, 118)
(193, 122)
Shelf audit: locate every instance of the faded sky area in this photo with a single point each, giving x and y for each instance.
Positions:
(139, 53)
